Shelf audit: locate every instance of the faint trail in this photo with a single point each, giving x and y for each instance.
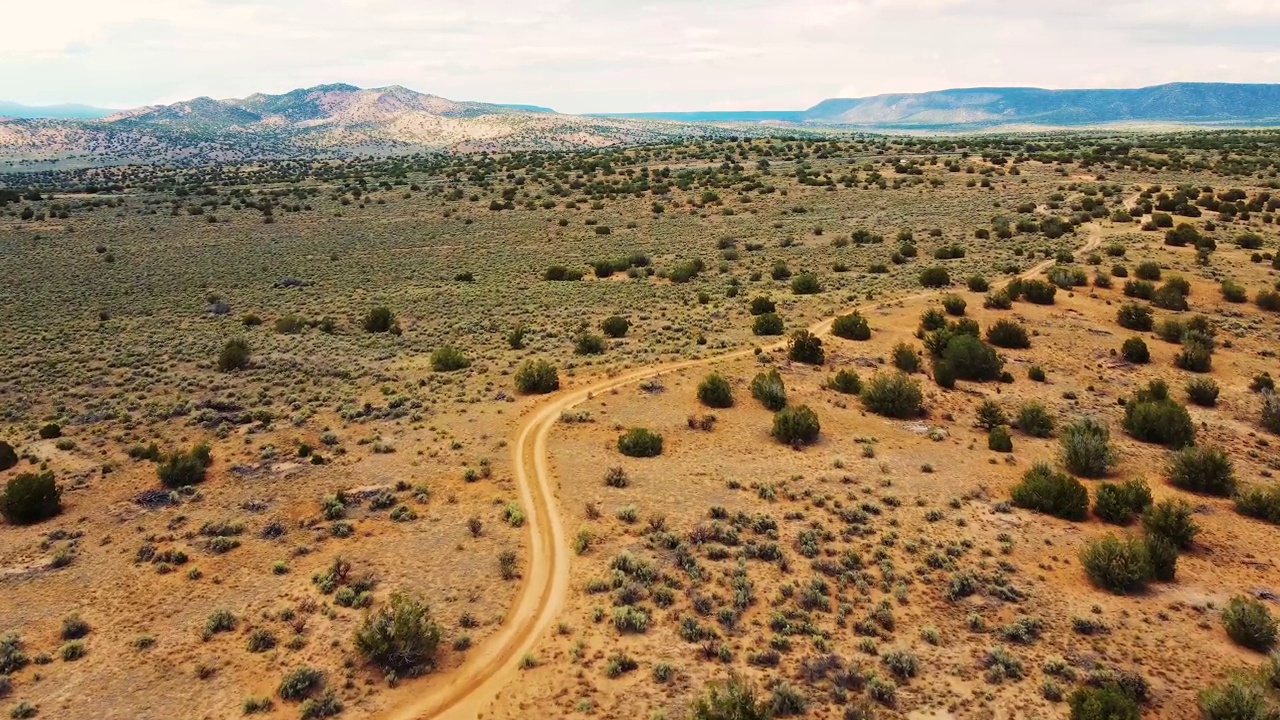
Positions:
(492, 666)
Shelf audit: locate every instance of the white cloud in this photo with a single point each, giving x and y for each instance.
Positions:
(585, 55)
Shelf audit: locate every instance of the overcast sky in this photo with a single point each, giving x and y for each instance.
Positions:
(623, 55)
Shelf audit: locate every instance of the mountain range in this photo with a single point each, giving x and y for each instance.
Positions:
(340, 119)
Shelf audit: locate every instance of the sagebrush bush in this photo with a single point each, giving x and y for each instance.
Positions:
(8, 456)
(448, 359)
(399, 637)
(588, 344)
(1270, 416)
(640, 442)
(761, 305)
(1086, 447)
(796, 425)
(1147, 270)
(1203, 392)
(1171, 519)
(1007, 333)
(1121, 503)
(1159, 420)
(1240, 698)
(1045, 490)
(935, 277)
(851, 327)
(537, 377)
(1133, 316)
(1262, 503)
(905, 358)
(990, 415)
(847, 382)
(767, 324)
(714, 391)
(1206, 470)
(954, 304)
(769, 390)
(806, 284)
(893, 395)
(1195, 356)
(615, 326)
(30, 498)
(235, 355)
(184, 467)
(734, 699)
(971, 359)
(805, 347)
(299, 683)
(379, 320)
(1108, 702)
(1249, 623)
(1163, 556)
(1035, 419)
(1039, 292)
(998, 439)
(1135, 351)
(1119, 565)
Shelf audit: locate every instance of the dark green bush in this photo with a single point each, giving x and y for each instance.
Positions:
(448, 359)
(944, 374)
(1119, 565)
(971, 359)
(1007, 333)
(50, 431)
(1140, 289)
(1035, 419)
(1133, 316)
(997, 300)
(1205, 470)
(399, 637)
(588, 344)
(954, 305)
(1249, 623)
(1170, 297)
(182, 468)
(806, 284)
(615, 326)
(905, 358)
(990, 415)
(1135, 351)
(805, 347)
(235, 355)
(1044, 490)
(851, 327)
(714, 391)
(1261, 503)
(734, 699)
(1234, 292)
(1121, 503)
(1268, 299)
(767, 324)
(796, 425)
(1086, 447)
(893, 395)
(847, 382)
(299, 683)
(1158, 420)
(935, 277)
(932, 319)
(1203, 392)
(761, 305)
(1240, 698)
(537, 377)
(640, 443)
(380, 320)
(977, 283)
(1147, 270)
(1039, 292)
(998, 439)
(30, 498)
(1171, 519)
(1196, 355)
(561, 273)
(1163, 556)
(769, 390)
(8, 456)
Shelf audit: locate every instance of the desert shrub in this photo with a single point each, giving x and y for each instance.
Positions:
(932, 319)
(1120, 503)
(1270, 415)
(327, 705)
(448, 359)
(1147, 270)
(399, 637)
(30, 498)
(1234, 292)
(235, 355)
(1163, 556)
(640, 443)
(977, 283)
(1140, 289)
(935, 277)
(1249, 623)
(847, 382)
(1158, 419)
(767, 324)
(806, 284)
(537, 377)
(1240, 698)
(1268, 299)
(1196, 355)
(1044, 490)
(560, 273)
(1171, 519)
(1035, 419)
(1119, 565)
(954, 304)
(1261, 383)
(1133, 316)
(851, 327)
(971, 359)
(299, 683)
(1086, 447)
(805, 347)
(588, 344)
(769, 390)
(1260, 503)
(379, 320)
(289, 324)
(615, 326)
(905, 358)
(761, 305)
(184, 467)
(991, 415)
(796, 425)
(734, 699)
(1039, 292)
(1203, 392)
(1205, 470)
(8, 456)
(998, 439)
(997, 300)
(1108, 702)
(714, 391)
(1036, 373)
(944, 374)
(893, 395)
(1171, 330)
(1135, 350)
(1008, 334)
(1169, 296)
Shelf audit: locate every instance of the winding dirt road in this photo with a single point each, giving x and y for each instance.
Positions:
(492, 666)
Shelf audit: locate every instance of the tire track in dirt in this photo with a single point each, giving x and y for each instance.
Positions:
(491, 667)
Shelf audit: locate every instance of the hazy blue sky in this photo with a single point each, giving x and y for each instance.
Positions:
(630, 55)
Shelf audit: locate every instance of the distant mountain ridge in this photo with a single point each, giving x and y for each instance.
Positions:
(68, 111)
(980, 108)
